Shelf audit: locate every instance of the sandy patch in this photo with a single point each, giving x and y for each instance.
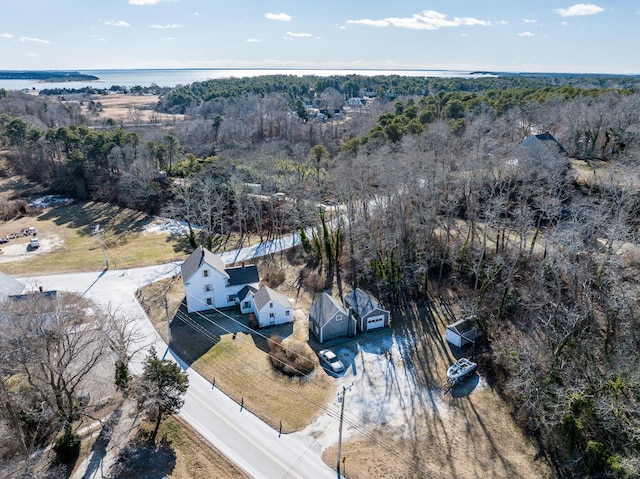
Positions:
(18, 249)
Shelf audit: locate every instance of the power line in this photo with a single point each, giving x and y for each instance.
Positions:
(352, 421)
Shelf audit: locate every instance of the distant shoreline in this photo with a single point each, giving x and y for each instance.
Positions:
(46, 75)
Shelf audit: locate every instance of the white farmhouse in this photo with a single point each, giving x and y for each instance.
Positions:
(208, 283)
(272, 307)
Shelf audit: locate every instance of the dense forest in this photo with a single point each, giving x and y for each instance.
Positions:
(439, 190)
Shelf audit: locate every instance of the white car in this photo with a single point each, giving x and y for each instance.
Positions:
(329, 358)
(34, 243)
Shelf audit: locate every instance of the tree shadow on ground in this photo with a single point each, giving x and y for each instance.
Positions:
(141, 459)
(193, 334)
(99, 448)
(180, 243)
(84, 216)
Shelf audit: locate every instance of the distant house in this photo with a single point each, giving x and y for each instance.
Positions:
(462, 332)
(9, 286)
(208, 283)
(544, 150)
(328, 319)
(367, 310)
(271, 307)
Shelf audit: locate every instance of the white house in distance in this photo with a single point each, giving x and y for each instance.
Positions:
(208, 283)
(271, 307)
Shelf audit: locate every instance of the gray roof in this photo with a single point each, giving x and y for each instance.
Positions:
(466, 328)
(195, 260)
(547, 140)
(243, 274)
(361, 302)
(325, 308)
(245, 291)
(266, 294)
(9, 286)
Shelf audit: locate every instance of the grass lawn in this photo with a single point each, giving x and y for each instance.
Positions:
(70, 229)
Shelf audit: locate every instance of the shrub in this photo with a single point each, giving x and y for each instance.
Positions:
(67, 447)
(315, 282)
(292, 360)
(273, 277)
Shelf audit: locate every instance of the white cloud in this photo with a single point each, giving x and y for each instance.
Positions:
(102, 39)
(299, 35)
(116, 23)
(34, 40)
(167, 39)
(168, 26)
(530, 20)
(6, 35)
(579, 9)
(525, 34)
(282, 17)
(427, 20)
(148, 2)
(254, 40)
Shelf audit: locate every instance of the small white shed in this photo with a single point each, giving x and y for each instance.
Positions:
(463, 332)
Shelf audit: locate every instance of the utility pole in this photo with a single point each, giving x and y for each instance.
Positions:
(344, 394)
(98, 232)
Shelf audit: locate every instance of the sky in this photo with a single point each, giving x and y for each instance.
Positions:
(466, 35)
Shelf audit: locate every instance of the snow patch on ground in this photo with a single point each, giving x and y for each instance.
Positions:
(50, 201)
(171, 227)
(382, 390)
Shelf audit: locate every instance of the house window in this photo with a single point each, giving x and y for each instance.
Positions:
(230, 299)
(246, 305)
(272, 315)
(209, 301)
(205, 273)
(208, 287)
(338, 317)
(287, 312)
(271, 305)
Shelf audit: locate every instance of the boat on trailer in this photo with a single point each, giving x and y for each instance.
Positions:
(461, 368)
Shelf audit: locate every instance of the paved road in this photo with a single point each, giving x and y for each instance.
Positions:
(240, 435)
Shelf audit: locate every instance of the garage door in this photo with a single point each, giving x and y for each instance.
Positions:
(374, 322)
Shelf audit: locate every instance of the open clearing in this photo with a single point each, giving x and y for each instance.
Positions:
(125, 109)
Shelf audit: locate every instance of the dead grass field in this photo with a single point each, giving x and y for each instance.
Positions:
(125, 109)
(76, 248)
